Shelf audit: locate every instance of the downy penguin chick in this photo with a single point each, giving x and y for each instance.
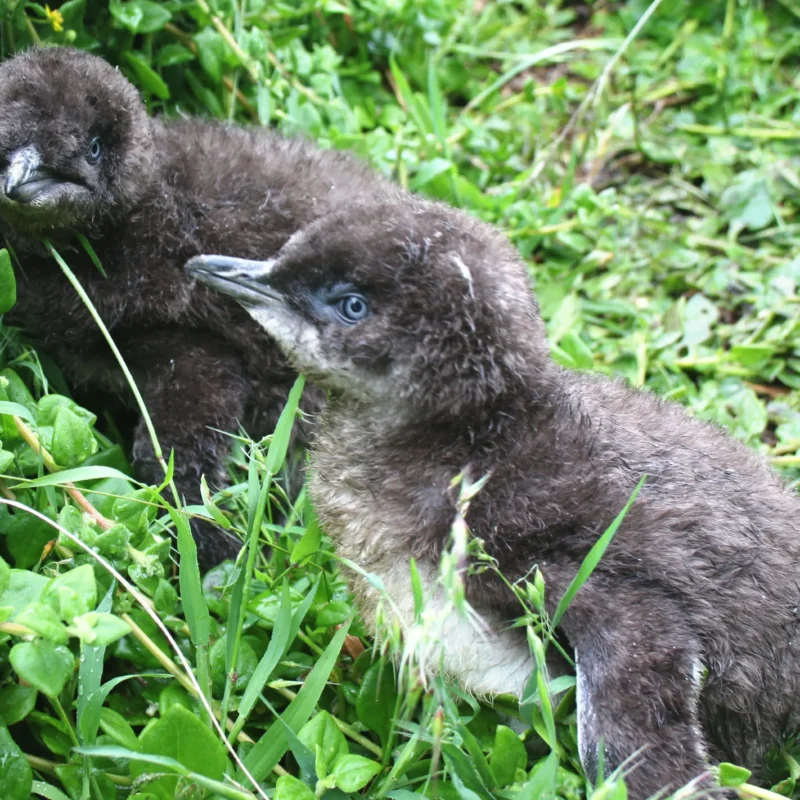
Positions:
(78, 155)
(420, 323)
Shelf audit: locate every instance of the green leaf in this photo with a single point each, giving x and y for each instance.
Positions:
(289, 788)
(542, 784)
(16, 702)
(508, 755)
(354, 772)
(77, 475)
(279, 445)
(16, 776)
(209, 506)
(8, 283)
(180, 735)
(273, 744)
(44, 621)
(194, 604)
(140, 16)
(73, 440)
(44, 665)
(100, 629)
(26, 537)
(212, 52)
(81, 582)
(113, 724)
(5, 576)
(308, 544)
(377, 700)
(24, 588)
(321, 731)
(150, 80)
(731, 775)
(48, 791)
(136, 510)
(593, 557)
(48, 405)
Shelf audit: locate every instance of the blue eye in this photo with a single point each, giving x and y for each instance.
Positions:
(352, 308)
(95, 150)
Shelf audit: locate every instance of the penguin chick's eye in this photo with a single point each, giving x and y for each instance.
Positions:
(95, 150)
(352, 308)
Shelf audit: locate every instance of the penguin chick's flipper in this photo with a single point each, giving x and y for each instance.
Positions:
(194, 388)
(637, 686)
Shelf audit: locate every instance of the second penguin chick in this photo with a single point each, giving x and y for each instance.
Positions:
(79, 155)
(420, 323)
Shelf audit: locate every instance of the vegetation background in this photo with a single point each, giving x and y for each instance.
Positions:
(642, 156)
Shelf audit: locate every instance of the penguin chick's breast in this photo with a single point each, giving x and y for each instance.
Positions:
(480, 653)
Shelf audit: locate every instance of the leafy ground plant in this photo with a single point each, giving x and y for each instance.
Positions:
(642, 156)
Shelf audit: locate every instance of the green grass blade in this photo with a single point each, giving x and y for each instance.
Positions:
(278, 643)
(87, 246)
(273, 744)
(279, 445)
(593, 557)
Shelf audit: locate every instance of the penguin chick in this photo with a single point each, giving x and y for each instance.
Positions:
(79, 155)
(420, 323)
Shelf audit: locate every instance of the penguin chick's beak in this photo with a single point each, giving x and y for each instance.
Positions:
(25, 177)
(244, 280)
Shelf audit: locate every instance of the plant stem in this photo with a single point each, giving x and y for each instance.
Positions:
(43, 765)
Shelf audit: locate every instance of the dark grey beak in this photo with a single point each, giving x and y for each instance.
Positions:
(25, 177)
(244, 280)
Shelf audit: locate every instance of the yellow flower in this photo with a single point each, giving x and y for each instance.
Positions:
(55, 18)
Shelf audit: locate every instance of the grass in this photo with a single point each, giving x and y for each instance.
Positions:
(642, 156)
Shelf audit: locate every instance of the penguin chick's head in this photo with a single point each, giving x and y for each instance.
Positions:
(75, 141)
(396, 301)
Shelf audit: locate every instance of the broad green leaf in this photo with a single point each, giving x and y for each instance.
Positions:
(24, 588)
(140, 16)
(113, 724)
(16, 702)
(26, 538)
(289, 788)
(100, 629)
(42, 664)
(81, 581)
(354, 772)
(8, 283)
(151, 81)
(48, 405)
(542, 784)
(44, 621)
(508, 755)
(181, 735)
(73, 440)
(136, 510)
(15, 773)
(377, 700)
(5, 576)
(731, 775)
(321, 731)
